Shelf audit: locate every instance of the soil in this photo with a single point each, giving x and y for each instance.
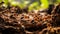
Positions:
(14, 20)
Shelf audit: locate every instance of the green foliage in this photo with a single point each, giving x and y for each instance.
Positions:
(13, 3)
(58, 1)
(35, 5)
(21, 3)
(0, 1)
(44, 4)
(5, 3)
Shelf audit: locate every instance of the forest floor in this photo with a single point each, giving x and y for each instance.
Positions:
(14, 20)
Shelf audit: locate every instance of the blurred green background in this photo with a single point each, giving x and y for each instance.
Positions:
(31, 4)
